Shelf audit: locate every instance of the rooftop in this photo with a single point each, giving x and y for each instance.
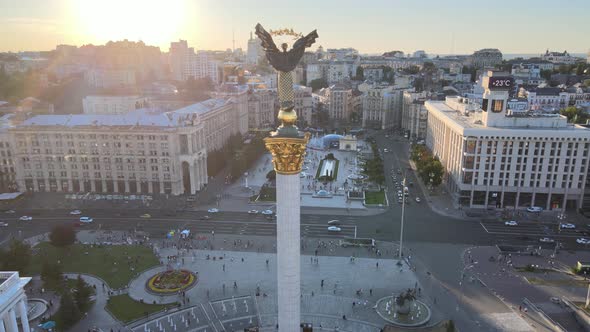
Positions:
(137, 118)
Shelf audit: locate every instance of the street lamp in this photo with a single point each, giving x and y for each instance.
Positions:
(401, 234)
(431, 175)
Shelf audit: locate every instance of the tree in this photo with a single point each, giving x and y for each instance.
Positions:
(411, 70)
(16, 258)
(428, 67)
(450, 326)
(51, 274)
(82, 294)
(62, 235)
(360, 74)
(574, 115)
(564, 69)
(546, 74)
(432, 172)
(69, 313)
(318, 83)
(582, 69)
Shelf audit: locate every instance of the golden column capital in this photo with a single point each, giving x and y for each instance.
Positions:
(288, 153)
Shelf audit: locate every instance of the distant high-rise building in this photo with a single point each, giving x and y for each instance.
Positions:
(186, 64)
(254, 50)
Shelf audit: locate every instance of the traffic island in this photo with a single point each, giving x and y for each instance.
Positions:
(403, 310)
(171, 282)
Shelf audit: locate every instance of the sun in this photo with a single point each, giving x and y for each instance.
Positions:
(156, 22)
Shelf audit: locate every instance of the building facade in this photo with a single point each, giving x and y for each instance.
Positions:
(103, 104)
(303, 104)
(559, 57)
(13, 302)
(414, 114)
(487, 57)
(110, 78)
(339, 102)
(496, 157)
(262, 106)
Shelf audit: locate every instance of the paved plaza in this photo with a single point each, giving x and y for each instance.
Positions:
(227, 289)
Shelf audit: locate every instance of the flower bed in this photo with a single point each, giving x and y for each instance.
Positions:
(171, 282)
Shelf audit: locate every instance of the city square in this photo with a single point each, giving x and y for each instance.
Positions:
(321, 174)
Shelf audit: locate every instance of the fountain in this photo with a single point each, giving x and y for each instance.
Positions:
(403, 309)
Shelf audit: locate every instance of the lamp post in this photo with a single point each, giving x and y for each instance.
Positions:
(431, 175)
(401, 233)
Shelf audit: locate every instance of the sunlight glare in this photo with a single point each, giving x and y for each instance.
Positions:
(153, 21)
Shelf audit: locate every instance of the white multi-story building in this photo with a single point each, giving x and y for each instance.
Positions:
(112, 104)
(559, 57)
(13, 302)
(314, 71)
(254, 50)
(110, 78)
(238, 96)
(377, 105)
(527, 73)
(7, 170)
(339, 102)
(338, 72)
(185, 63)
(551, 99)
(262, 106)
(141, 151)
(303, 104)
(341, 53)
(496, 157)
(414, 114)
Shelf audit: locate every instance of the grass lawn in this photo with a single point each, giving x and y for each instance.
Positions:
(107, 262)
(267, 194)
(372, 197)
(126, 309)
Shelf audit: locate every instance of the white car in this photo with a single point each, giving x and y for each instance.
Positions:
(534, 209)
(76, 212)
(213, 210)
(511, 223)
(546, 240)
(567, 226)
(334, 229)
(25, 218)
(334, 222)
(86, 219)
(3, 224)
(418, 200)
(253, 212)
(582, 241)
(267, 212)
(9, 211)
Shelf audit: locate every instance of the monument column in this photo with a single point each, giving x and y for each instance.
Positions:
(287, 146)
(24, 318)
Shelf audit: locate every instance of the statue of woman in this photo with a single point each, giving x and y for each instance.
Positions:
(284, 61)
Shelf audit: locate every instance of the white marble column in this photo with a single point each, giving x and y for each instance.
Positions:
(191, 171)
(11, 322)
(288, 252)
(2, 328)
(24, 318)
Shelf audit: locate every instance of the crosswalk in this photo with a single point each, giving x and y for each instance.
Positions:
(529, 232)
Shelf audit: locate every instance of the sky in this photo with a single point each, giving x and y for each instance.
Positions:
(374, 26)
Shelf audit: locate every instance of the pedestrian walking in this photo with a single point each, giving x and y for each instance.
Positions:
(223, 267)
(371, 291)
(322, 283)
(377, 264)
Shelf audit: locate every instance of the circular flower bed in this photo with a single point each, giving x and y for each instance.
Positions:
(170, 282)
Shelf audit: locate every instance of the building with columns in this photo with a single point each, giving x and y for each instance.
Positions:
(502, 158)
(13, 303)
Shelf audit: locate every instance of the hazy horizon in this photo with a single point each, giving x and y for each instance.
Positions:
(457, 27)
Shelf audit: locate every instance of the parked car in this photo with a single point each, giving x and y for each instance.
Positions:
(534, 209)
(267, 212)
(511, 223)
(86, 219)
(253, 212)
(213, 210)
(75, 212)
(25, 218)
(546, 240)
(334, 229)
(567, 226)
